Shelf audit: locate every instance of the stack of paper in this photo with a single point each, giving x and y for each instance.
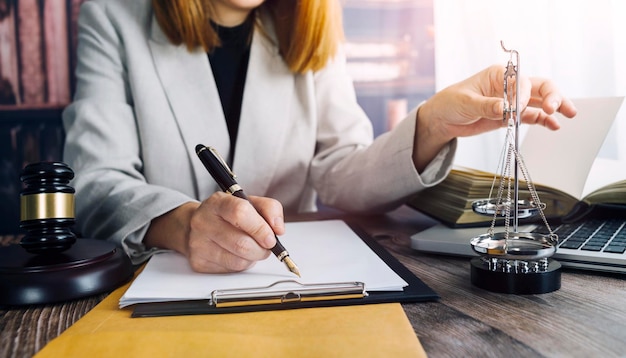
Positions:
(325, 252)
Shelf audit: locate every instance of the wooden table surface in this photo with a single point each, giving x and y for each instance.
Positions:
(585, 318)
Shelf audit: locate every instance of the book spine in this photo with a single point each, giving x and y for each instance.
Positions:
(56, 52)
(32, 70)
(9, 79)
(73, 9)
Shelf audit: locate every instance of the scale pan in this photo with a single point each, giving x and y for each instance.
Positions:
(519, 246)
(490, 207)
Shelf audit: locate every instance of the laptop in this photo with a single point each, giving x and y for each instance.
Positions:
(593, 244)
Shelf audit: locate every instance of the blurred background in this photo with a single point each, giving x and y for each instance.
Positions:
(579, 44)
(406, 50)
(399, 53)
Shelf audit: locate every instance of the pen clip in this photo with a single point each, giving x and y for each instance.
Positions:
(222, 161)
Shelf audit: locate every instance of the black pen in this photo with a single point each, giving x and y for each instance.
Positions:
(225, 178)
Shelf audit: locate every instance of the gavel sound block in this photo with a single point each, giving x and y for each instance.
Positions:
(50, 264)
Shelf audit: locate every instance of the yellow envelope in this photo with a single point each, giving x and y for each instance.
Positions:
(377, 330)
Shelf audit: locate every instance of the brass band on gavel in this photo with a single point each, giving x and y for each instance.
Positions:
(46, 206)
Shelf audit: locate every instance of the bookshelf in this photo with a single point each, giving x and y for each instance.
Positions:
(38, 43)
(390, 56)
(390, 50)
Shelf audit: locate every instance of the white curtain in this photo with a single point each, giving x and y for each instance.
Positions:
(579, 44)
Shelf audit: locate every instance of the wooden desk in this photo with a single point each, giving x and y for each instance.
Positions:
(585, 318)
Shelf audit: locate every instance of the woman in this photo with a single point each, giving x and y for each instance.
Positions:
(265, 83)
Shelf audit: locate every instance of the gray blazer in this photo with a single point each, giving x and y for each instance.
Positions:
(142, 105)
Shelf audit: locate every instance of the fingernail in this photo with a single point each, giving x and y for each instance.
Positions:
(498, 107)
(555, 105)
(279, 222)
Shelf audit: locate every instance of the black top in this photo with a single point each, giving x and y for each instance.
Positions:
(229, 64)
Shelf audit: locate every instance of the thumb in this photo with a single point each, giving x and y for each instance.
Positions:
(490, 107)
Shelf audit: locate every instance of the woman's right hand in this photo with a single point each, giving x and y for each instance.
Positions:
(222, 234)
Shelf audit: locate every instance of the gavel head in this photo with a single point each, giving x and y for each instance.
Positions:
(47, 207)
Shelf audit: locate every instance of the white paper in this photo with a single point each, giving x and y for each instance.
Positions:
(325, 252)
(563, 159)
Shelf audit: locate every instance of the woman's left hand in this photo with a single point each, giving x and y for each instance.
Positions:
(476, 105)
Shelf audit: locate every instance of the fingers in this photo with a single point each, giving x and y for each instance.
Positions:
(476, 105)
(272, 211)
(244, 216)
(538, 116)
(539, 100)
(545, 95)
(534, 92)
(209, 257)
(544, 102)
(228, 234)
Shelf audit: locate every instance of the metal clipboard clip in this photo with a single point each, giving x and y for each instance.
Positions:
(288, 291)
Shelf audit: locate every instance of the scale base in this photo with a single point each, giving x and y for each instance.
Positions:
(88, 267)
(530, 282)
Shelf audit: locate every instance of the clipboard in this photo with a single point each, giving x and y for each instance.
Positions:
(276, 297)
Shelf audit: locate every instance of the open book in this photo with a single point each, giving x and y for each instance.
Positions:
(564, 167)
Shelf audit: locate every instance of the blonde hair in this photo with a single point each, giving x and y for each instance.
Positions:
(308, 31)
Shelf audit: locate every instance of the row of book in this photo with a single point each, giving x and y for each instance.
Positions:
(38, 41)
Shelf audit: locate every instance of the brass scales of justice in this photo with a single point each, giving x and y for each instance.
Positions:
(511, 261)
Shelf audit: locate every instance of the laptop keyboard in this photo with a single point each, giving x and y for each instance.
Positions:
(599, 235)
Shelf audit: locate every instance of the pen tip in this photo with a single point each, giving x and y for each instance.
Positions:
(292, 266)
(199, 147)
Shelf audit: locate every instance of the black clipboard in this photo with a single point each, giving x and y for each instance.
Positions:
(415, 291)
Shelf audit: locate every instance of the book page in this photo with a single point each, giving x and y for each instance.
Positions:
(325, 252)
(610, 165)
(563, 159)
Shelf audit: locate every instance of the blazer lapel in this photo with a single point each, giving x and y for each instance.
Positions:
(190, 88)
(264, 115)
